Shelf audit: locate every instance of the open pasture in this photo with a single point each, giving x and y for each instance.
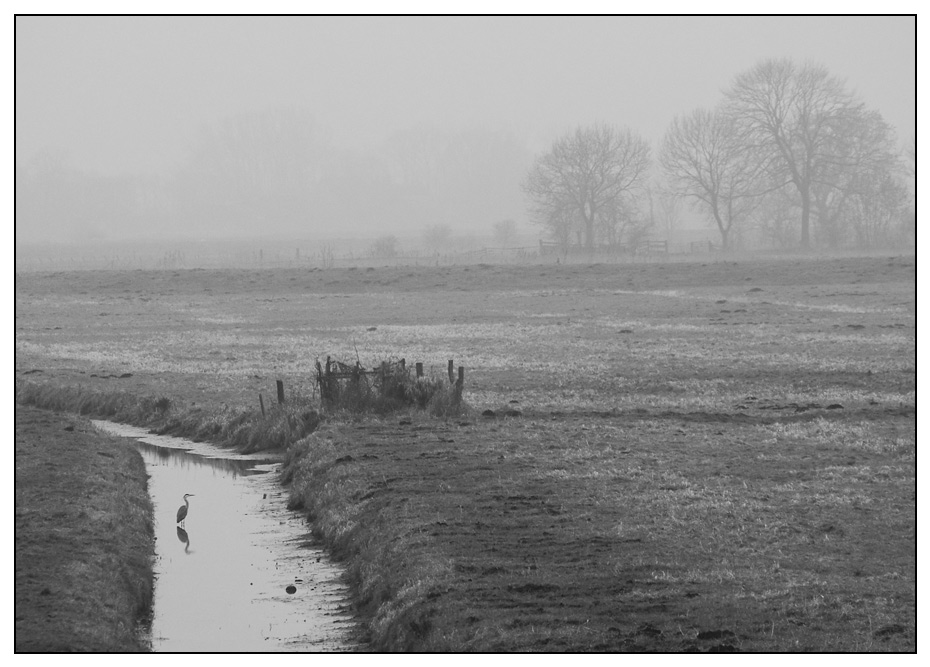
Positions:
(680, 337)
(708, 456)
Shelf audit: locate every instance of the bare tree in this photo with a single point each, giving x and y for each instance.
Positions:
(505, 231)
(704, 162)
(878, 213)
(910, 165)
(436, 237)
(583, 179)
(861, 155)
(665, 207)
(384, 247)
(562, 224)
(789, 116)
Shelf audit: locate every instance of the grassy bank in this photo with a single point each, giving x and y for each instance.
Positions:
(245, 430)
(619, 533)
(83, 538)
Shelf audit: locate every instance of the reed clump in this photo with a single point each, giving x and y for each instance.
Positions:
(391, 386)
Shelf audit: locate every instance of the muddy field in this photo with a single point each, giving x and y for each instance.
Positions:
(715, 456)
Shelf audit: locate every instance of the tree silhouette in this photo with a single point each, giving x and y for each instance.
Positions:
(581, 182)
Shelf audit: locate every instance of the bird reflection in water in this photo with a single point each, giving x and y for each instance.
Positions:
(183, 537)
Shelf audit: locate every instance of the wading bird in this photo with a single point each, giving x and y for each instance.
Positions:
(182, 511)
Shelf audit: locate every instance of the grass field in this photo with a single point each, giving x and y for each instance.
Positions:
(84, 541)
(711, 456)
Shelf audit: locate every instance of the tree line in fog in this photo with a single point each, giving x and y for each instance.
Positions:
(273, 172)
(789, 154)
(789, 158)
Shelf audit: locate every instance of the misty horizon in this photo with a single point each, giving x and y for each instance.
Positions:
(134, 98)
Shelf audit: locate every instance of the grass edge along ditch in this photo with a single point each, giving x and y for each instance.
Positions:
(390, 389)
(615, 535)
(84, 538)
(244, 430)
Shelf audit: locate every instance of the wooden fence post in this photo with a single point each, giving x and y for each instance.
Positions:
(261, 403)
(457, 390)
(451, 372)
(419, 369)
(280, 391)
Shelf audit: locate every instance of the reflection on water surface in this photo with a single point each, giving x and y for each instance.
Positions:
(222, 577)
(186, 458)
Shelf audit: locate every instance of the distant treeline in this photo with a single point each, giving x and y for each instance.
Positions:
(789, 158)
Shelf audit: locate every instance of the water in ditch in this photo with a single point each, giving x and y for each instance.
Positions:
(241, 573)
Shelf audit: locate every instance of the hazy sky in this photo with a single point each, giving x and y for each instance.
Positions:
(124, 93)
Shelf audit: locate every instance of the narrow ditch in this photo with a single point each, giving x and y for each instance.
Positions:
(241, 573)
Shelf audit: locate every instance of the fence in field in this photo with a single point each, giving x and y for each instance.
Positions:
(219, 255)
(390, 377)
(646, 248)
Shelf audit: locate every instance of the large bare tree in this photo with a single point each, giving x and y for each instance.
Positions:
(705, 162)
(862, 154)
(582, 181)
(790, 117)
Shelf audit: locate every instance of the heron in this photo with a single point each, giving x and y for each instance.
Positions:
(182, 511)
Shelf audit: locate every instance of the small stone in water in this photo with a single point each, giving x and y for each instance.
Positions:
(291, 589)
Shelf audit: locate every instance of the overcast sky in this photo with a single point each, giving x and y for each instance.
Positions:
(124, 93)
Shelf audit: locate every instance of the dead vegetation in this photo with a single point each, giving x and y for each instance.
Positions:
(390, 387)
